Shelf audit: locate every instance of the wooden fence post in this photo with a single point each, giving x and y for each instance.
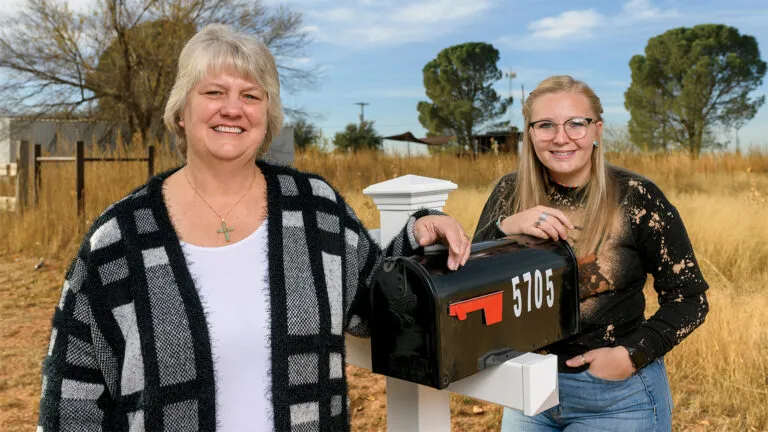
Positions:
(150, 161)
(36, 174)
(80, 180)
(22, 177)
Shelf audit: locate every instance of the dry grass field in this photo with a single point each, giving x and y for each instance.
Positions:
(719, 375)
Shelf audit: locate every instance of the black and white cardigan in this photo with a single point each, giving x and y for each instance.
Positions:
(130, 348)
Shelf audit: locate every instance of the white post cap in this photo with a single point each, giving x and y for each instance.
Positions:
(410, 192)
(399, 198)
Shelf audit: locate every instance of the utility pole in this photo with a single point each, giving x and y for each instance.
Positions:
(511, 75)
(362, 110)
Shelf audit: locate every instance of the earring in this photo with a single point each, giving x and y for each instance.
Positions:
(595, 143)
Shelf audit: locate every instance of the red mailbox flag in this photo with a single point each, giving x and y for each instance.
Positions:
(490, 304)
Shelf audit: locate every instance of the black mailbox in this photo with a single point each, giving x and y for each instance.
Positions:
(433, 326)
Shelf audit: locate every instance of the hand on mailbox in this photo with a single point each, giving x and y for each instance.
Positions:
(431, 229)
(540, 221)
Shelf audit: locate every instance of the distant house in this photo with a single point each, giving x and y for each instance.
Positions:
(57, 137)
(506, 141)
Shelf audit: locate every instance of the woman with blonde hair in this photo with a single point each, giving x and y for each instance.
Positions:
(216, 296)
(612, 375)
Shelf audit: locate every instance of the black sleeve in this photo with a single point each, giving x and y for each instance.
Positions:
(500, 196)
(667, 254)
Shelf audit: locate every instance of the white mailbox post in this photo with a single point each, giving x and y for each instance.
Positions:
(527, 383)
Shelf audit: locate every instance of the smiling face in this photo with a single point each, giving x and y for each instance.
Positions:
(567, 160)
(225, 118)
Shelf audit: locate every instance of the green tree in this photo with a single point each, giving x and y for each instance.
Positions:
(305, 134)
(357, 137)
(689, 81)
(117, 60)
(459, 82)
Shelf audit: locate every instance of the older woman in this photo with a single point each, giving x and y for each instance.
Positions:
(612, 375)
(216, 295)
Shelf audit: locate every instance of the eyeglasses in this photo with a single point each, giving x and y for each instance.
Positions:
(575, 128)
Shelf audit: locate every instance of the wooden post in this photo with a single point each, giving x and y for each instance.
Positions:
(36, 178)
(22, 177)
(80, 180)
(150, 161)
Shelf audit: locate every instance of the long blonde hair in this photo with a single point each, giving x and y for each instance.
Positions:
(532, 182)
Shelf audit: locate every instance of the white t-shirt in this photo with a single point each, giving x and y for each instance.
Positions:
(233, 285)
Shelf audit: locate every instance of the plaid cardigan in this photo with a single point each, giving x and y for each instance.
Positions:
(130, 348)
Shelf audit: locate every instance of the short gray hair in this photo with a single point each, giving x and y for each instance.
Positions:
(219, 47)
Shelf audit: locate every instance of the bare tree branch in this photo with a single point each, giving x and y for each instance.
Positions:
(108, 60)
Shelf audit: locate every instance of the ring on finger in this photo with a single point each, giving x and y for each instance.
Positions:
(537, 223)
(543, 216)
(583, 359)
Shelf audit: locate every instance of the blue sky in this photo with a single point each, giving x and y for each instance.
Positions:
(374, 50)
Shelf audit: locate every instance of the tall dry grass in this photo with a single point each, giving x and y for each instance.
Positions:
(53, 228)
(719, 375)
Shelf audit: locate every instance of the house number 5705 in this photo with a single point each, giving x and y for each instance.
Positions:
(535, 299)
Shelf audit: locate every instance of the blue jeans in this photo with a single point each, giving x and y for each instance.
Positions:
(642, 402)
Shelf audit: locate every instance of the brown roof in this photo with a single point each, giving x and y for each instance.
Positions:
(432, 141)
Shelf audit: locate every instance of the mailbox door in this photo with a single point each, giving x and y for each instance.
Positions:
(404, 341)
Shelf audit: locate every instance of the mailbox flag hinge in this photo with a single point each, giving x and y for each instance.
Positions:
(491, 305)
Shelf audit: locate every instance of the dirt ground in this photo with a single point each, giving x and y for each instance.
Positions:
(27, 301)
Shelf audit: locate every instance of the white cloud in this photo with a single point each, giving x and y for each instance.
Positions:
(639, 10)
(365, 24)
(339, 15)
(565, 25)
(436, 11)
(382, 35)
(550, 32)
